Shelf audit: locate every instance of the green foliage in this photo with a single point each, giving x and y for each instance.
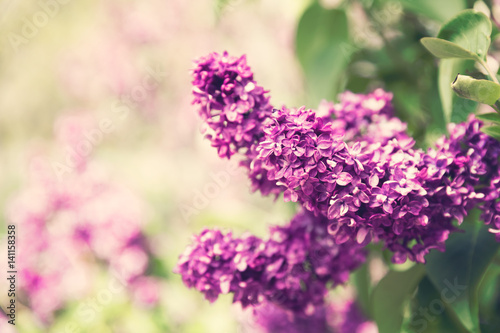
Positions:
(489, 294)
(429, 312)
(457, 272)
(444, 49)
(322, 47)
(493, 131)
(361, 279)
(492, 116)
(437, 10)
(455, 109)
(467, 36)
(389, 296)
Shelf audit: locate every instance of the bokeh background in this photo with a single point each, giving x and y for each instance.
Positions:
(102, 166)
(127, 64)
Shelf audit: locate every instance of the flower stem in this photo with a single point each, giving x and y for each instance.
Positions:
(496, 106)
(490, 73)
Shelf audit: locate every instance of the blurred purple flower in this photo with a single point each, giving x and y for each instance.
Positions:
(270, 318)
(65, 225)
(346, 317)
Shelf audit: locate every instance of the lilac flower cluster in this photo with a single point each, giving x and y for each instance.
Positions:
(230, 102)
(391, 192)
(233, 108)
(292, 268)
(305, 154)
(354, 170)
(474, 172)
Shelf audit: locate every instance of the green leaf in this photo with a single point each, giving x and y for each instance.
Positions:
(323, 49)
(434, 9)
(455, 109)
(493, 117)
(389, 295)
(466, 36)
(482, 91)
(470, 30)
(361, 279)
(430, 313)
(444, 49)
(489, 294)
(493, 131)
(457, 272)
(447, 69)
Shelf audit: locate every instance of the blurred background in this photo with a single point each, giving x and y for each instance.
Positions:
(102, 166)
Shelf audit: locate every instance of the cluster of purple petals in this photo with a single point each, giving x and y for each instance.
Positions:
(364, 117)
(291, 269)
(491, 208)
(339, 317)
(270, 318)
(474, 173)
(352, 167)
(391, 192)
(233, 108)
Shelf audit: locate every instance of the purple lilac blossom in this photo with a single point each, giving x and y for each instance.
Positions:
(307, 155)
(364, 117)
(404, 197)
(233, 107)
(230, 102)
(476, 171)
(352, 163)
(270, 318)
(342, 316)
(291, 269)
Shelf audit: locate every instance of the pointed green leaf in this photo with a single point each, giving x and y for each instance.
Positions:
(470, 30)
(444, 49)
(493, 117)
(389, 296)
(466, 36)
(457, 272)
(323, 49)
(482, 91)
(493, 131)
